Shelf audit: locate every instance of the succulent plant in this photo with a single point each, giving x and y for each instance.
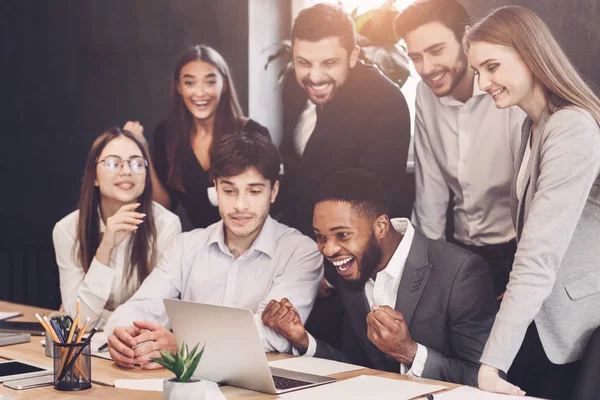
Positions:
(183, 363)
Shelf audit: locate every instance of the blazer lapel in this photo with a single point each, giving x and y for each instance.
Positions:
(320, 133)
(519, 210)
(415, 275)
(516, 205)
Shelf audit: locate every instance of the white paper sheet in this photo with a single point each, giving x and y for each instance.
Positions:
(314, 365)
(98, 340)
(156, 385)
(469, 393)
(365, 387)
(10, 314)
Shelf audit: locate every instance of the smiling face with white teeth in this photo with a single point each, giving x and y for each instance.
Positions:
(502, 73)
(200, 85)
(349, 240)
(322, 67)
(124, 186)
(439, 58)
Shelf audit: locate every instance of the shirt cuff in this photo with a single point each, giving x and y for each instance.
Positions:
(99, 280)
(311, 350)
(418, 365)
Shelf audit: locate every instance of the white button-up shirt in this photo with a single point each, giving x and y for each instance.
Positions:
(104, 287)
(468, 148)
(383, 291)
(305, 127)
(199, 267)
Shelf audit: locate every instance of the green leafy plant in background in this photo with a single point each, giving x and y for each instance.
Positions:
(183, 363)
(377, 41)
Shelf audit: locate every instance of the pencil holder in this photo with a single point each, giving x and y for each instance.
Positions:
(48, 347)
(72, 366)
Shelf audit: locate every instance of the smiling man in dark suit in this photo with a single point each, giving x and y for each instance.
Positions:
(338, 113)
(413, 305)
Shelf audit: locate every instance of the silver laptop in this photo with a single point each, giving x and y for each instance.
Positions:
(233, 354)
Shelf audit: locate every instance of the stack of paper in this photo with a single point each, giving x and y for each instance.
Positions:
(469, 393)
(365, 387)
(315, 366)
(10, 314)
(156, 385)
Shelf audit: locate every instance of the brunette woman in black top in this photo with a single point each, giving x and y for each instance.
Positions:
(203, 106)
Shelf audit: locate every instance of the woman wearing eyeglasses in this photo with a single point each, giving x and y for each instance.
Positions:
(109, 245)
(203, 106)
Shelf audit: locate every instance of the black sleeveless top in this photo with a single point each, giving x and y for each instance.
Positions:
(195, 180)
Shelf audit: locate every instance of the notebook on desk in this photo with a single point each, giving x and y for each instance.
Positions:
(8, 338)
(33, 328)
(233, 354)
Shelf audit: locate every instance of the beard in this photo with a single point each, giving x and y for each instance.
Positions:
(369, 262)
(306, 82)
(458, 71)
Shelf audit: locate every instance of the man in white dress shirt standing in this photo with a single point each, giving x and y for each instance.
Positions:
(464, 146)
(244, 260)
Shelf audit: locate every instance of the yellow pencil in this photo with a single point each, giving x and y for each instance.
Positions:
(78, 308)
(82, 330)
(72, 331)
(48, 329)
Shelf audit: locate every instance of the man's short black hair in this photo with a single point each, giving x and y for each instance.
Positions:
(450, 13)
(234, 153)
(361, 189)
(322, 21)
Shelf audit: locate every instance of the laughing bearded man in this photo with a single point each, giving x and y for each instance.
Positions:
(413, 305)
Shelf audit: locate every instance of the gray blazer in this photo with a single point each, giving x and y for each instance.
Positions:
(555, 278)
(446, 297)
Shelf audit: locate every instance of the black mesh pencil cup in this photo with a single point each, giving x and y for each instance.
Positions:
(72, 366)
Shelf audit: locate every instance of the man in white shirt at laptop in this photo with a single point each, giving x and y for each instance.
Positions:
(244, 260)
(464, 146)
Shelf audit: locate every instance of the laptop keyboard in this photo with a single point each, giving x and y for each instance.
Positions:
(282, 383)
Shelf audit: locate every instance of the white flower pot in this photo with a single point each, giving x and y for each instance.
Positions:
(192, 390)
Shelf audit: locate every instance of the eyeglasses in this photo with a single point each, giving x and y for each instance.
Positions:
(114, 163)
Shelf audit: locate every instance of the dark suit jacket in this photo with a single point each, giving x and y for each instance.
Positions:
(366, 125)
(446, 297)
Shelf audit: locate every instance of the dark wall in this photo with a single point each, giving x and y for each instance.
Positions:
(68, 70)
(574, 23)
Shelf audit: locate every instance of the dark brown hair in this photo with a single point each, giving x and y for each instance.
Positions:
(234, 154)
(229, 116)
(449, 13)
(322, 21)
(142, 245)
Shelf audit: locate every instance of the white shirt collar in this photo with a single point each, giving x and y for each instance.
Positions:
(395, 267)
(265, 242)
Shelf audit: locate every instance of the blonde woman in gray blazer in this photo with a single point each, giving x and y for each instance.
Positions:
(552, 301)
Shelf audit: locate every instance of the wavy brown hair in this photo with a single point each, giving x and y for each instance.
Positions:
(229, 117)
(143, 244)
(521, 29)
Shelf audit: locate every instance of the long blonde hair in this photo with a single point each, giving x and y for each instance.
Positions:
(523, 30)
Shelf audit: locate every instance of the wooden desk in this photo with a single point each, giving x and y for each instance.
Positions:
(105, 372)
